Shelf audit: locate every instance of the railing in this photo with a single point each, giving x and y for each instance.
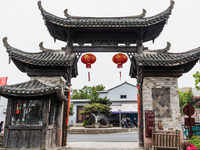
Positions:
(186, 131)
(168, 139)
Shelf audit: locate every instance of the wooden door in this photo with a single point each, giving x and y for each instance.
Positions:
(80, 118)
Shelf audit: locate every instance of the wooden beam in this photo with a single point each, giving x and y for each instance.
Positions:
(83, 49)
(7, 123)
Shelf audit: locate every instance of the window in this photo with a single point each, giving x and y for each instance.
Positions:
(122, 96)
(27, 112)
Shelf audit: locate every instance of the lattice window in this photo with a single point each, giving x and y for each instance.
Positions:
(161, 102)
(27, 112)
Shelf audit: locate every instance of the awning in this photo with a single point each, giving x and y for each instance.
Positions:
(124, 108)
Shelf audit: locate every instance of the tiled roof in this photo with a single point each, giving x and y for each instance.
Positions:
(45, 58)
(27, 88)
(30, 88)
(131, 21)
(164, 58)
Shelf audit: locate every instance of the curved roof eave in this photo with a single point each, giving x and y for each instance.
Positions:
(163, 58)
(131, 21)
(45, 58)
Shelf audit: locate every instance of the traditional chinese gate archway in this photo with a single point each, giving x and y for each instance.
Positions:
(156, 71)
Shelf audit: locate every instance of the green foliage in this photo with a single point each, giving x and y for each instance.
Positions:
(71, 110)
(104, 101)
(96, 104)
(85, 122)
(91, 120)
(184, 98)
(197, 79)
(87, 92)
(195, 140)
(95, 108)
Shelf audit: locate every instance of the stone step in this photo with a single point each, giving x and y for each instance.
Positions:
(74, 148)
(78, 125)
(76, 131)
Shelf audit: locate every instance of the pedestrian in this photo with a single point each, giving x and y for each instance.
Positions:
(122, 122)
(1, 126)
(135, 123)
(125, 122)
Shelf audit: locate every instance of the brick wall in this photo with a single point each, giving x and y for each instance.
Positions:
(161, 95)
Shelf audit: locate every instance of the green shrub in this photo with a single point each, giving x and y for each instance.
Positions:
(85, 123)
(91, 120)
(195, 140)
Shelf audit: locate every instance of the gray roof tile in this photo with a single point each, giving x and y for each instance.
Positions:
(44, 58)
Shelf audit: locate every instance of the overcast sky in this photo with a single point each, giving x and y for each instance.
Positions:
(22, 23)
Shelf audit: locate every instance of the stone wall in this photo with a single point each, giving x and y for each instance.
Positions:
(161, 95)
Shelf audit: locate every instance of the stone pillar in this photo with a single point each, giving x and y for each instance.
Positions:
(161, 95)
(60, 124)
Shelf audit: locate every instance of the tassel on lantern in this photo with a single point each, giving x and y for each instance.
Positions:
(88, 76)
(120, 75)
(120, 59)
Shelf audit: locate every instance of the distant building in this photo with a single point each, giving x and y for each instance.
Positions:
(124, 103)
(194, 91)
(3, 108)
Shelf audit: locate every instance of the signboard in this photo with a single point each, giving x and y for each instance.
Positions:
(149, 122)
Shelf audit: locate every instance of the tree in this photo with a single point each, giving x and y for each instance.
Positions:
(87, 92)
(71, 110)
(185, 97)
(97, 105)
(196, 100)
(197, 79)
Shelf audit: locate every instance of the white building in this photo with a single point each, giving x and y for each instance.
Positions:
(3, 107)
(124, 103)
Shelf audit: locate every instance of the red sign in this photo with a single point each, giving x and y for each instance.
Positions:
(3, 80)
(188, 108)
(149, 121)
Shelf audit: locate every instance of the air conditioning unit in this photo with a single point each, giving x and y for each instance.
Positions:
(4, 111)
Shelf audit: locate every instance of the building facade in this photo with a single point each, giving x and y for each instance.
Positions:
(124, 104)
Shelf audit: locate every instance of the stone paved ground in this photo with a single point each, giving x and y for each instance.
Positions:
(101, 146)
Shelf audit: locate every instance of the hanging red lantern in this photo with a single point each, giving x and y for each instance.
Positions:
(17, 111)
(88, 59)
(120, 59)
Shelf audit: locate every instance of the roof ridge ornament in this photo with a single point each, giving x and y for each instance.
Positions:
(45, 49)
(5, 43)
(66, 14)
(164, 50)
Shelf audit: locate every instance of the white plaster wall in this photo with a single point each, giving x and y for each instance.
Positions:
(124, 89)
(75, 104)
(3, 108)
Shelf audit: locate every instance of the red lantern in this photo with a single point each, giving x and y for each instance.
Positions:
(88, 59)
(120, 59)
